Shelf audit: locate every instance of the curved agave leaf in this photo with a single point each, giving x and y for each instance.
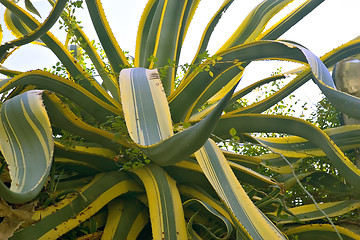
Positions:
(126, 218)
(96, 157)
(249, 220)
(198, 82)
(166, 212)
(45, 80)
(290, 20)
(205, 38)
(73, 67)
(113, 52)
(321, 180)
(345, 137)
(276, 163)
(346, 103)
(148, 118)
(16, 27)
(27, 145)
(283, 124)
(310, 212)
(198, 193)
(201, 206)
(188, 141)
(45, 26)
(320, 232)
(58, 219)
(243, 160)
(62, 117)
(255, 23)
(329, 59)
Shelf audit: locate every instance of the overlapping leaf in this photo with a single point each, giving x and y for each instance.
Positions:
(344, 137)
(167, 217)
(320, 231)
(249, 220)
(64, 216)
(282, 124)
(148, 118)
(41, 30)
(310, 212)
(45, 80)
(126, 218)
(72, 66)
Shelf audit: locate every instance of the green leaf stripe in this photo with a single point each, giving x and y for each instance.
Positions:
(126, 218)
(166, 212)
(26, 144)
(145, 107)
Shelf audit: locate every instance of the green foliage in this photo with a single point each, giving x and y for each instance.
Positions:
(116, 125)
(326, 115)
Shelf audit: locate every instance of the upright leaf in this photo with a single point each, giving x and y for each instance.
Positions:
(163, 37)
(166, 212)
(114, 53)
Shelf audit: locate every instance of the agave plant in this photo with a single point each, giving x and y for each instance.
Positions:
(135, 155)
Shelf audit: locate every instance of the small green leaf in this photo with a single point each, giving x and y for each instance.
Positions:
(232, 132)
(186, 125)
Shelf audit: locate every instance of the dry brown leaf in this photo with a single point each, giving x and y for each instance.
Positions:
(13, 218)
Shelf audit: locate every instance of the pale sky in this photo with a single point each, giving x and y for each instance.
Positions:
(333, 23)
